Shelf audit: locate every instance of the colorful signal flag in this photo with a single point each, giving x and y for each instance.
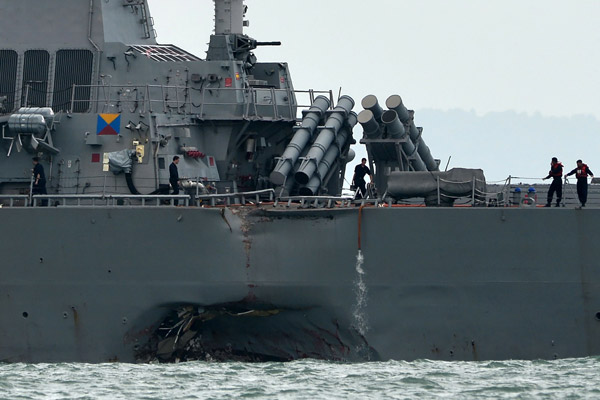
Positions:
(108, 124)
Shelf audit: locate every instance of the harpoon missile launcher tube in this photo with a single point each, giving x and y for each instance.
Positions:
(326, 137)
(371, 103)
(394, 103)
(395, 129)
(371, 128)
(301, 138)
(328, 161)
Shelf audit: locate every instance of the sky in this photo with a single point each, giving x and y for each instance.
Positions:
(535, 57)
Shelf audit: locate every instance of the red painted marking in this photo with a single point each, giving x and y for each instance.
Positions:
(109, 130)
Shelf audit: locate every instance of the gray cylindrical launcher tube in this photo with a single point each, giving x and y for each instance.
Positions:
(289, 184)
(394, 102)
(332, 154)
(396, 130)
(324, 140)
(370, 127)
(371, 103)
(299, 140)
(422, 148)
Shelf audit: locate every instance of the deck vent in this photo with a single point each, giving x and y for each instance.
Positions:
(35, 78)
(166, 52)
(8, 80)
(73, 67)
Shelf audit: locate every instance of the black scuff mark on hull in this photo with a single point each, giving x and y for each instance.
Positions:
(225, 219)
(236, 332)
(474, 347)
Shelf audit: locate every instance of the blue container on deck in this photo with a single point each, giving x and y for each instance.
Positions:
(516, 196)
(531, 193)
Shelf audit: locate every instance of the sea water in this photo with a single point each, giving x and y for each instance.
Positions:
(308, 379)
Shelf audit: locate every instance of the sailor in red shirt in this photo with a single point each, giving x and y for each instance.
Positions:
(582, 171)
(556, 172)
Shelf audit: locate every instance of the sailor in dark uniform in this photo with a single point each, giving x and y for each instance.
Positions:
(556, 173)
(582, 172)
(174, 176)
(359, 178)
(39, 180)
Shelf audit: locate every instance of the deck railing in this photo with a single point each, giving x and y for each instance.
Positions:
(241, 198)
(14, 200)
(96, 200)
(506, 193)
(205, 103)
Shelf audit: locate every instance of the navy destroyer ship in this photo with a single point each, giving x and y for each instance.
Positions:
(261, 256)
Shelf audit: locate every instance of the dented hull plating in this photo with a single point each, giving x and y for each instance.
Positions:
(453, 283)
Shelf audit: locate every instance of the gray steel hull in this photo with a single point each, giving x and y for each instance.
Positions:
(90, 284)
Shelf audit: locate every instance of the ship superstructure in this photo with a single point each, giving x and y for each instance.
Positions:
(78, 94)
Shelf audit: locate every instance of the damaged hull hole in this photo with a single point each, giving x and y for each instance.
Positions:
(235, 332)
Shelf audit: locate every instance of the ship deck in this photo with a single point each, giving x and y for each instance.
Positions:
(509, 194)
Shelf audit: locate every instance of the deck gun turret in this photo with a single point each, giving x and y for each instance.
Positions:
(229, 41)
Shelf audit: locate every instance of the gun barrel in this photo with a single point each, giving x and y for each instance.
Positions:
(268, 43)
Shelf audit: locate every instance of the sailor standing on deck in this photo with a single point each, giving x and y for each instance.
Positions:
(556, 172)
(582, 172)
(174, 176)
(359, 178)
(39, 180)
